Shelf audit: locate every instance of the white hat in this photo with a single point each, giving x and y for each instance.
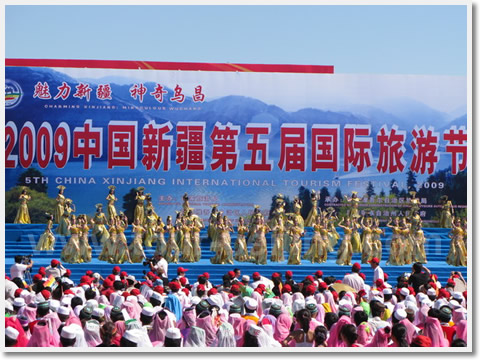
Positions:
(92, 302)
(19, 302)
(405, 291)
(454, 304)
(12, 333)
(66, 301)
(63, 310)
(131, 277)
(53, 304)
(431, 292)
(254, 330)
(98, 312)
(246, 278)
(439, 303)
(68, 281)
(148, 311)
(131, 335)
(195, 300)
(375, 292)
(8, 305)
(68, 332)
(378, 298)
(427, 302)
(131, 297)
(400, 314)
(458, 296)
(96, 276)
(251, 303)
(343, 302)
(155, 295)
(173, 333)
(387, 291)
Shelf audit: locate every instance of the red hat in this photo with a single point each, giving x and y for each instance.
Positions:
(116, 270)
(201, 287)
(183, 281)
(7, 277)
(207, 275)
(54, 262)
(85, 280)
(374, 260)
(235, 289)
(443, 293)
(181, 269)
(362, 293)
(434, 276)
(465, 294)
(338, 281)
(46, 294)
(310, 290)
(451, 282)
(18, 292)
(286, 288)
(261, 286)
(123, 274)
(379, 282)
(259, 290)
(275, 274)
(212, 291)
(266, 321)
(335, 295)
(362, 275)
(422, 341)
(256, 275)
(69, 292)
(89, 272)
(385, 276)
(288, 274)
(356, 266)
(186, 291)
(135, 292)
(310, 278)
(42, 271)
(159, 289)
(323, 285)
(68, 272)
(111, 277)
(231, 274)
(107, 283)
(125, 294)
(412, 291)
(433, 284)
(174, 285)
(37, 277)
(319, 273)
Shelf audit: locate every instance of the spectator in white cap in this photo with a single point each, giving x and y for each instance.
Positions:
(387, 299)
(146, 316)
(18, 303)
(173, 338)
(11, 336)
(251, 309)
(130, 338)
(99, 315)
(399, 315)
(68, 336)
(63, 313)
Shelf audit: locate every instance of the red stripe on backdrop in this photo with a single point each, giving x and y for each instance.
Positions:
(160, 65)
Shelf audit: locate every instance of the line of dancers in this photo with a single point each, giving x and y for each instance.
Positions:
(179, 240)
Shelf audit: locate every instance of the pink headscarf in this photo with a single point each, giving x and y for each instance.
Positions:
(459, 315)
(462, 330)
(29, 312)
(365, 333)
(330, 300)
(334, 339)
(22, 338)
(207, 324)
(411, 331)
(159, 328)
(120, 327)
(259, 299)
(188, 320)
(282, 327)
(434, 331)
(239, 327)
(43, 336)
(320, 314)
(319, 298)
(287, 299)
(132, 310)
(380, 339)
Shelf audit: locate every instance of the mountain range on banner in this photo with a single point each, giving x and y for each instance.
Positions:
(238, 110)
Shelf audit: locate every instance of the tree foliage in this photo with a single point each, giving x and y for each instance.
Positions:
(37, 206)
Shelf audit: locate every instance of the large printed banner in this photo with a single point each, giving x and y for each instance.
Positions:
(237, 138)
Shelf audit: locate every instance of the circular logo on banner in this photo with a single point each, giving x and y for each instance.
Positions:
(13, 94)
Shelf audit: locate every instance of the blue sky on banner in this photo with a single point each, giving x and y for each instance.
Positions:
(428, 40)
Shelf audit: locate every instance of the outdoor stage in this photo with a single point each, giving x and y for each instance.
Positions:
(22, 239)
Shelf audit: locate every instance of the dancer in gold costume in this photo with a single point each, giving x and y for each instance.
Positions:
(447, 212)
(47, 239)
(396, 246)
(172, 250)
(23, 217)
(120, 249)
(333, 235)
(160, 238)
(224, 253)
(457, 256)
(63, 226)
(99, 231)
(353, 211)
(71, 251)
(419, 243)
(111, 199)
(241, 252)
(60, 204)
(258, 254)
(85, 248)
(408, 241)
(139, 212)
(345, 251)
(277, 239)
(312, 215)
(297, 206)
(197, 251)
(187, 250)
(136, 248)
(278, 212)
(317, 253)
(212, 220)
(367, 246)
(376, 241)
(356, 242)
(109, 243)
(296, 245)
(150, 225)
